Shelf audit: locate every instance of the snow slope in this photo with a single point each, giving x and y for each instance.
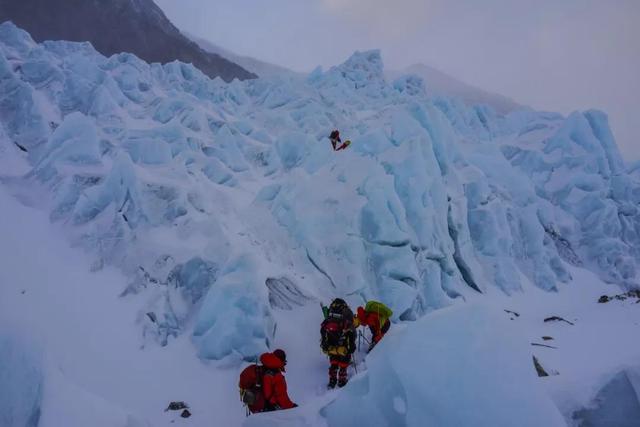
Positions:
(96, 373)
(228, 218)
(440, 84)
(260, 68)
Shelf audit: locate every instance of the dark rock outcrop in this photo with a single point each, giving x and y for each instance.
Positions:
(557, 319)
(621, 297)
(539, 369)
(176, 406)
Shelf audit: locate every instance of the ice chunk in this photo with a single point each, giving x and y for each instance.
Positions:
(169, 108)
(118, 188)
(600, 126)
(226, 149)
(21, 382)
(218, 173)
(616, 404)
(234, 317)
(268, 193)
(148, 151)
(292, 149)
(19, 113)
(74, 141)
(411, 85)
(373, 142)
(193, 278)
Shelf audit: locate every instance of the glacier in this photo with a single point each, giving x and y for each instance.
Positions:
(231, 217)
(201, 191)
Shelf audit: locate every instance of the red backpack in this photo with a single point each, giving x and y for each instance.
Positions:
(251, 388)
(339, 320)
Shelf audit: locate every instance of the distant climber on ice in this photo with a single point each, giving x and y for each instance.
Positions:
(263, 388)
(336, 142)
(338, 340)
(376, 316)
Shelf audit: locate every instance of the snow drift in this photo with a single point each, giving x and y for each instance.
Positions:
(442, 371)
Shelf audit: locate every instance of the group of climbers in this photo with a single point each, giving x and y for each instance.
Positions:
(336, 142)
(263, 386)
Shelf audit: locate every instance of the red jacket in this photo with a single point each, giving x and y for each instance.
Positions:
(274, 385)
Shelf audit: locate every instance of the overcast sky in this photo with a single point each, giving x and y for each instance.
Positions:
(558, 55)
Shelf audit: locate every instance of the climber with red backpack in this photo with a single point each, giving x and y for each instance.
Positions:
(336, 142)
(376, 316)
(338, 340)
(263, 388)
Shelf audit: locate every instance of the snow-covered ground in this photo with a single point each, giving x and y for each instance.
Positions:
(96, 372)
(161, 229)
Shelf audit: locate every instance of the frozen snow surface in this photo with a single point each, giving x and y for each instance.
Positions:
(440, 372)
(226, 210)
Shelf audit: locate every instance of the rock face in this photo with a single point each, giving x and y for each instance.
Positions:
(135, 26)
(539, 369)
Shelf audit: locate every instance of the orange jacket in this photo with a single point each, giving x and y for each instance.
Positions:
(274, 385)
(370, 319)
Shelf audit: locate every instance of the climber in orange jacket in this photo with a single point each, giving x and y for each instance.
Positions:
(377, 322)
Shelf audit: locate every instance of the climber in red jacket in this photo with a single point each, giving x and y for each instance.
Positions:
(274, 385)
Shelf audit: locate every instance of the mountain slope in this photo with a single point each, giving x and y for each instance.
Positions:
(442, 84)
(256, 66)
(135, 26)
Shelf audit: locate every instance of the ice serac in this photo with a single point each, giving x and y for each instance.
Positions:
(233, 317)
(202, 190)
(586, 202)
(442, 371)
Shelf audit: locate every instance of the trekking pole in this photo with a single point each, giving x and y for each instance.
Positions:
(362, 337)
